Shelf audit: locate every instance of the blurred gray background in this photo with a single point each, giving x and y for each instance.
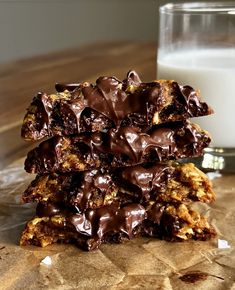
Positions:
(33, 27)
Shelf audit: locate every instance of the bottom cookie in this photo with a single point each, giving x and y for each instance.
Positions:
(173, 222)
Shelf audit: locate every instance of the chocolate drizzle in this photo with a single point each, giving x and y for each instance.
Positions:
(108, 96)
(165, 142)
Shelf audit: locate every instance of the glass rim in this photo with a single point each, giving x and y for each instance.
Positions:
(199, 8)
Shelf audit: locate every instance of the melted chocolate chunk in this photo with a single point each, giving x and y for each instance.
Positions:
(109, 99)
(146, 180)
(106, 98)
(110, 220)
(129, 141)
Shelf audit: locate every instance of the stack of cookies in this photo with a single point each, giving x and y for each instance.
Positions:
(109, 168)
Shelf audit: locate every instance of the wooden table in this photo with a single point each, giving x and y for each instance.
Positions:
(20, 80)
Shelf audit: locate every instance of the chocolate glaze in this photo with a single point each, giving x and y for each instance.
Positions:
(121, 147)
(110, 103)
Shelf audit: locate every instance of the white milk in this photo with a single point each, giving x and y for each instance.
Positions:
(212, 71)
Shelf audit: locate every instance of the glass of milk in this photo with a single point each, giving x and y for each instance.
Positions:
(197, 48)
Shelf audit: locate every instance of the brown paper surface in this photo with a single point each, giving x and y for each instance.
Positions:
(138, 264)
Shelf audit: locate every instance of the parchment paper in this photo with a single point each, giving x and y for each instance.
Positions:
(137, 264)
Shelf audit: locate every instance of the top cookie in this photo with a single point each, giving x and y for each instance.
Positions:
(110, 103)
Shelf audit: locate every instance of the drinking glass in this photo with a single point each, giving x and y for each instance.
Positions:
(196, 47)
